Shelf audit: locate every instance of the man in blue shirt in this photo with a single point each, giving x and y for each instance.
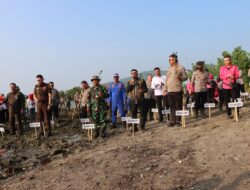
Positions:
(117, 94)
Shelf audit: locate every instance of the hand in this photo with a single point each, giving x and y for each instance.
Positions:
(49, 107)
(164, 93)
(100, 94)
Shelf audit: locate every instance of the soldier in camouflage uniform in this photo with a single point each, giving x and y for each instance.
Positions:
(97, 106)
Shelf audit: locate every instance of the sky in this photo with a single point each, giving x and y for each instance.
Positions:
(68, 41)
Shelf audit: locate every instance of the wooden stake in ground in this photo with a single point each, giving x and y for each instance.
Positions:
(2, 129)
(209, 106)
(35, 125)
(166, 112)
(89, 128)
(236, 106)
(183, 113)
(133, 122)
(191, 106)
(125, 119)
(155, 111)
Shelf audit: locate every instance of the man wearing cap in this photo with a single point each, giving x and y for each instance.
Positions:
(97, 106)
(176, 74)
(84, 98)
(136, 88)
(15, 105)
(42, 96)
(117, 95)
(200, 79)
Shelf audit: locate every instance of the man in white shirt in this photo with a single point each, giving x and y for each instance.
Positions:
(158, 86)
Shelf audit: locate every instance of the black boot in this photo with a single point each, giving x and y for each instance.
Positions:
(97, 133)
(196, 113)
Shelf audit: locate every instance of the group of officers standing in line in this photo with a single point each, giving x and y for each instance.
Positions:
(138, 96)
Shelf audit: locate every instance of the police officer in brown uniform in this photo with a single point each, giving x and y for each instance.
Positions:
(176, 74)
(42, 96)
(15, 104)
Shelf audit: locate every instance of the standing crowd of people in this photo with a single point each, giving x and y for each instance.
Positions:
(137, 96)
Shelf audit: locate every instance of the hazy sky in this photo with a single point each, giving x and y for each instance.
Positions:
(70, 40)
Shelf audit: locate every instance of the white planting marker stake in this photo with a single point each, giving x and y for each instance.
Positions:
(191, 106)
(183, 113)
(35, 125)
(133, 122)
(89, 128)
(125, 119)
(209, 106)
(235, 105)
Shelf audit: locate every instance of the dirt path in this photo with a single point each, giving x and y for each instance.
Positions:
(208, 154)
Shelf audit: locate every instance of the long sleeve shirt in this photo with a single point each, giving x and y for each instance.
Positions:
(229, 75)
(174, 77)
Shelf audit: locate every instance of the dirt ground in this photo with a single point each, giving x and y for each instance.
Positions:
(208, 154)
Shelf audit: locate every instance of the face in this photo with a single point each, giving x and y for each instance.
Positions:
(95, 82)
(84, 85)
(134, 74)
(172, 61)
(51, 86)
(227, 61)
(116, 79)
(39, 81)
(12, 88)
(157, 72)
(149, 78)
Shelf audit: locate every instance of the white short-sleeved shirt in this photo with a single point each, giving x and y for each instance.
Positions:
(158, 85)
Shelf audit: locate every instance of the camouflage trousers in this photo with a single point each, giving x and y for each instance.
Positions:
(99, 118)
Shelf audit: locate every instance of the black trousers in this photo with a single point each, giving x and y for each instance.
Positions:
(149, 104)
(210, 95)
(175, 103)
(229, 94)
(221, 99)
(84, 112)
(200, 99)
(165, 102)
(141, 106)
(159, 100)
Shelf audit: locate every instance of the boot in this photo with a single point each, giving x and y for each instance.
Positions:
(196, 113)
(103, 133)
(97, 133)
(203, 113)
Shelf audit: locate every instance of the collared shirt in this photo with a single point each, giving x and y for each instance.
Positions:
(150, 93)
(158, 85)
(174, 77)
(42, 93)
(200, 80)
(84, 96)
(117, 92)
(226, 72)
(136, 88)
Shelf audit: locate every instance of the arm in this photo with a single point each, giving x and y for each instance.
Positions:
(183, 74)
(130, 86)
(144, 87)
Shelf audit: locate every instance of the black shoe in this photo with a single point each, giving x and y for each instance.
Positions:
(178, 124)
(103, 135)
(229, 117)
(113, 126)
(96, 133)
(170, 124)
